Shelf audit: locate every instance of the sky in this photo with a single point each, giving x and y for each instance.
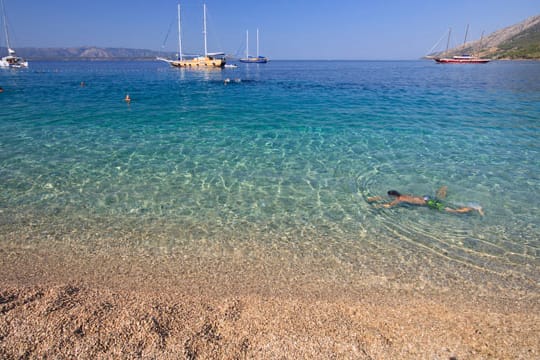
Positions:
(289, 29)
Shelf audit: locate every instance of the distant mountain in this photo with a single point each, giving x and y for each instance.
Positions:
(520, 41)
(86, 53)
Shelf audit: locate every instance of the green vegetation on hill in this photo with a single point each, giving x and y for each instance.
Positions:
(519, 41)
(525, 45)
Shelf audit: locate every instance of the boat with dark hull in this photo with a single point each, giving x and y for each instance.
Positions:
(460, 59)
(253, 59)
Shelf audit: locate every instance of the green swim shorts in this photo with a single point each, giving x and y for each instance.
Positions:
(434, 203)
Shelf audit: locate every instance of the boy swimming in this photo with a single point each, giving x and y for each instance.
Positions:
(435, 203)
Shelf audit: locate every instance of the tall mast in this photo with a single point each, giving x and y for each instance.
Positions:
(448, 41)
(204, 30)
(257, 42)
(6, 27)
(466, 33)
(179, 35)
(247, 44)
(482, 40)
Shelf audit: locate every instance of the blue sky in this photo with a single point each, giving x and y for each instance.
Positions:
(289, 29)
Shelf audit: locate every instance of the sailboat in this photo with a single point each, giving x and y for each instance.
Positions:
(11, 60)
(253, 59)
(208, 60)
(460, 59)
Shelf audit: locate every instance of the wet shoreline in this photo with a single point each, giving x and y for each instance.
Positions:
(256, 301)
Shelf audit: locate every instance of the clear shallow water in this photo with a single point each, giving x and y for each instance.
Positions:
(287, 155)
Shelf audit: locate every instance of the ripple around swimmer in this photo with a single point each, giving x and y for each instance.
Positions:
(462, 238)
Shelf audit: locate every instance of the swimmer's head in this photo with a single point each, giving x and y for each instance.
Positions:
(393, 193)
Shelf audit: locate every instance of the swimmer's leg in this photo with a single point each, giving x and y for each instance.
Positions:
(476, 207)
(374, 199)
(465, 210)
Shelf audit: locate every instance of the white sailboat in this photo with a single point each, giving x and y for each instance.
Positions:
(253, 59)
(11, 60)
(208, 60)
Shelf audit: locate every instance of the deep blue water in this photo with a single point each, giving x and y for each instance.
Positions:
(292, 151)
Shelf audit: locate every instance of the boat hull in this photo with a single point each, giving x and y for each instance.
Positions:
(462, 61)
(13, 62)
(255, 60)
(200, 62)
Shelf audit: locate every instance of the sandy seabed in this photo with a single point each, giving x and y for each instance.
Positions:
(61, 302)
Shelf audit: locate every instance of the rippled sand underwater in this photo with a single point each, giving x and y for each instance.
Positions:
(278, 165)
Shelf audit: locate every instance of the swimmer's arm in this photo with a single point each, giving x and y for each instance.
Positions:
(393, 203)
(379, 198)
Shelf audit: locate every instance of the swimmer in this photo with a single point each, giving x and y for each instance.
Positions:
(127, 99)
(1, 89)
(228, 80)
(436, 202)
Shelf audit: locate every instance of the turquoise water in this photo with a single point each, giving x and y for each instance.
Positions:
(288, 155)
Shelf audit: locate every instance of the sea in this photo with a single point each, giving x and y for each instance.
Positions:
(284, 155)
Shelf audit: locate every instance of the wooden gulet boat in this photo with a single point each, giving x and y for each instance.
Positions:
(208, 60)
(253, 59)
(460, 59)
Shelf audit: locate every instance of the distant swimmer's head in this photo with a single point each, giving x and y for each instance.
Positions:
(393, 193)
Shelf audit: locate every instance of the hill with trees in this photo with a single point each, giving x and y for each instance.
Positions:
(86, 53)
(519, 41)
